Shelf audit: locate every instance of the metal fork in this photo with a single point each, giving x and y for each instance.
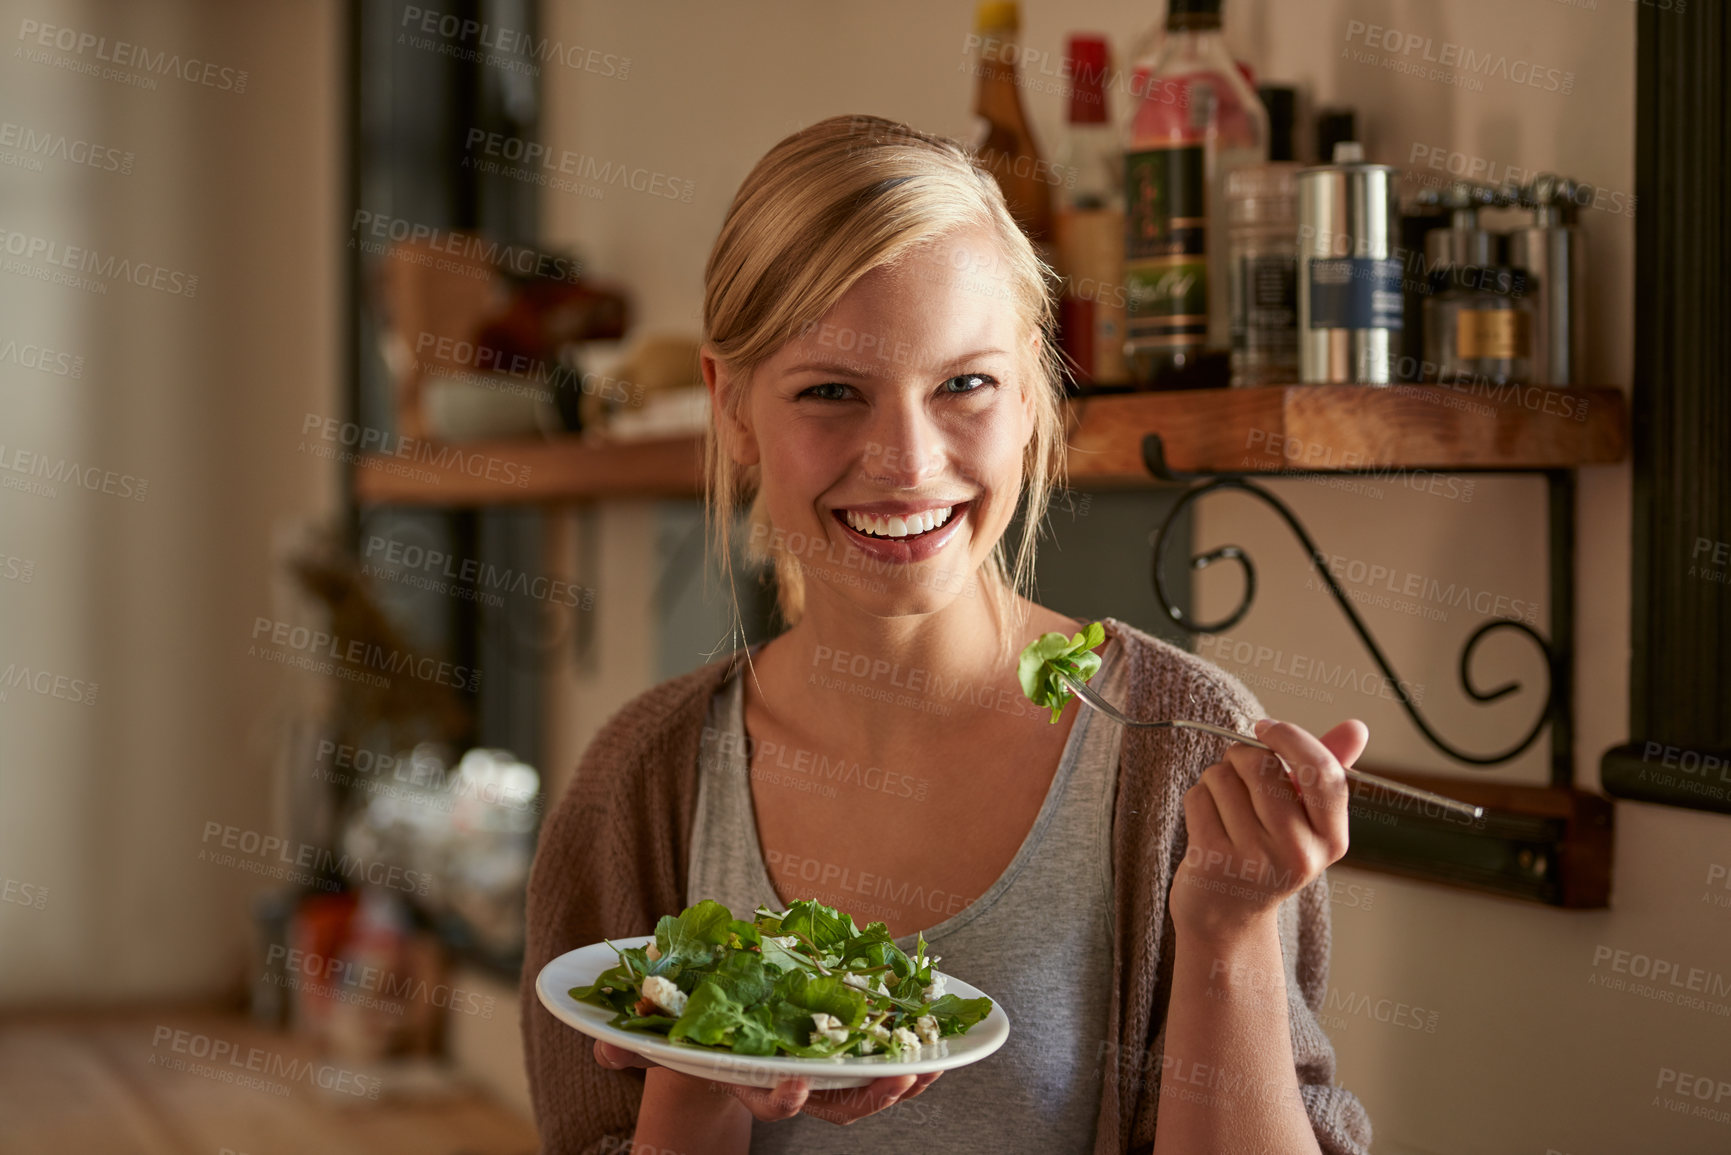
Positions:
(1090, 697)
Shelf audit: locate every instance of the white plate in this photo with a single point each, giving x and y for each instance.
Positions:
(580, 968)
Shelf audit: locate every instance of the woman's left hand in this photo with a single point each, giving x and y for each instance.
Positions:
(1253, 838)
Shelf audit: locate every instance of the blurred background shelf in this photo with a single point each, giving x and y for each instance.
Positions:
(1269, 429)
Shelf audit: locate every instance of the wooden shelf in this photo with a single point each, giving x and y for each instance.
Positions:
(1270, 429)
(1547, 844)
(558, 469)
(1281, 428)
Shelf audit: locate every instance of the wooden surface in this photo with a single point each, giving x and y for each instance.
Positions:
(1346, 427)
(87, 1083)
(520, 471)
(1263, 430)
(1584, 854)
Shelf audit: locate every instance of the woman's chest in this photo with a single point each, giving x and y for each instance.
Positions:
(909, 842)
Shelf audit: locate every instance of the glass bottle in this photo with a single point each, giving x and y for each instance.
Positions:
(1090, 224)
(1005, 144)
(1195, 120)
(1262, 228)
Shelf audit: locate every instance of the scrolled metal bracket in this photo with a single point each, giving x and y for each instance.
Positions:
(1155, 458)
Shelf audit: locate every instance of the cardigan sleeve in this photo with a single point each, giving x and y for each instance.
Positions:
(1341, 1123)
(610, 862)
(1338, 1119)
(581, 1108)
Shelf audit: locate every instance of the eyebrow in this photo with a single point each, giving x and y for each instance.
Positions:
(865, 369)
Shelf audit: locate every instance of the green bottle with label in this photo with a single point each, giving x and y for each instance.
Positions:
(1195, 119)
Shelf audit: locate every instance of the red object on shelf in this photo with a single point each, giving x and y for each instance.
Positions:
(1087, 79)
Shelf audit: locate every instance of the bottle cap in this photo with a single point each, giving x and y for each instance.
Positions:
(1193, 14)
(997, 16)
(1332, 126)
(1087, 56)
(1282, 105)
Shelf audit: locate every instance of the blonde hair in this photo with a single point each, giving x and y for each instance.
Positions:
(821, 209)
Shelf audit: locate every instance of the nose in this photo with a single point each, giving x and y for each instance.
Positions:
(905, 447)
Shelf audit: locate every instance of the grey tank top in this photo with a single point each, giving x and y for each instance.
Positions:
(1039, 942)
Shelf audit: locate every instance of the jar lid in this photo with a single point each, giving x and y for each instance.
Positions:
(1495, 280)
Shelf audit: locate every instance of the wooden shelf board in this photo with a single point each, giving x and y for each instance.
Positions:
(517, 471)
(1578, 855)
(1279, 428)
(1269, 429)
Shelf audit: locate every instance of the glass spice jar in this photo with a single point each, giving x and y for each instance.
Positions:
(1478, 325)
(1262, 273)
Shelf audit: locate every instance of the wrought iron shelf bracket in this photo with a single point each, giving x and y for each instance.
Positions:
(1549, 845)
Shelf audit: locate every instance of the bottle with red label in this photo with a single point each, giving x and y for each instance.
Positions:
(1195, 119)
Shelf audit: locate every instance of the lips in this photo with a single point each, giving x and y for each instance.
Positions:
(902, 532)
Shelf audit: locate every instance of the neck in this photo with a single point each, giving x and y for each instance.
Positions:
(883, 684)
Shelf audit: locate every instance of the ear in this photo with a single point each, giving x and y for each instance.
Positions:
(735, 430)
(1035, 380)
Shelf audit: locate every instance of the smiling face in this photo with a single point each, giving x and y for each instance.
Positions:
(891, 434)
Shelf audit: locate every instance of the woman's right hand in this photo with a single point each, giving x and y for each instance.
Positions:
(793, 1096)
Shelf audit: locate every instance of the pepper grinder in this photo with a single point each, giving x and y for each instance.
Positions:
(1554, 250)
(1464, 242)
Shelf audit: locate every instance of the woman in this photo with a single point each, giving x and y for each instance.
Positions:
(1149, 907)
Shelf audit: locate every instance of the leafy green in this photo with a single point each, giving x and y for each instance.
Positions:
(740, 975)
(1047, 655)
(755, 987)
(956, 1015)
(692, 938)
(826, 993)
(824, 926)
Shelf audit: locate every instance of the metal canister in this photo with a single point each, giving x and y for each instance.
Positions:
(1350, 303)
(1553, 249)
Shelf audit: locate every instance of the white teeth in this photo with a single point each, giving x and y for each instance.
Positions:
(895, 526)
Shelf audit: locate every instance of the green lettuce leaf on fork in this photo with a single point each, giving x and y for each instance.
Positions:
(1049, 654)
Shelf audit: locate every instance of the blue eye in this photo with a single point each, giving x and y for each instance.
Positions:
(828, 391)
(981, 378)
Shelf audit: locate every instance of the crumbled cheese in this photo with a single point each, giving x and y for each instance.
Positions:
(866, 1046)
(664, 994)
(936, 990)
(787, 940)
(878, 1032)
(907, 1040)
(926, 1028)
(827, 1027)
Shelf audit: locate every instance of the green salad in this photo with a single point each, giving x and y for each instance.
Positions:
(807, 982)
(1047, 654)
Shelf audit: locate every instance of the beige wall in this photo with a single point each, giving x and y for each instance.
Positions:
(202, 396)
(1526, 1055)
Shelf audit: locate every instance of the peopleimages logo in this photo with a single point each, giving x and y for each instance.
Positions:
(80, 259)
(274, 857)
(36, 35)
(358, 652)
(1456, 63)
(245, 1066)
(382, 444)
(34, 146)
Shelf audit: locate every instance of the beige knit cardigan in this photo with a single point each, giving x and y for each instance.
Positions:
(613, 859)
